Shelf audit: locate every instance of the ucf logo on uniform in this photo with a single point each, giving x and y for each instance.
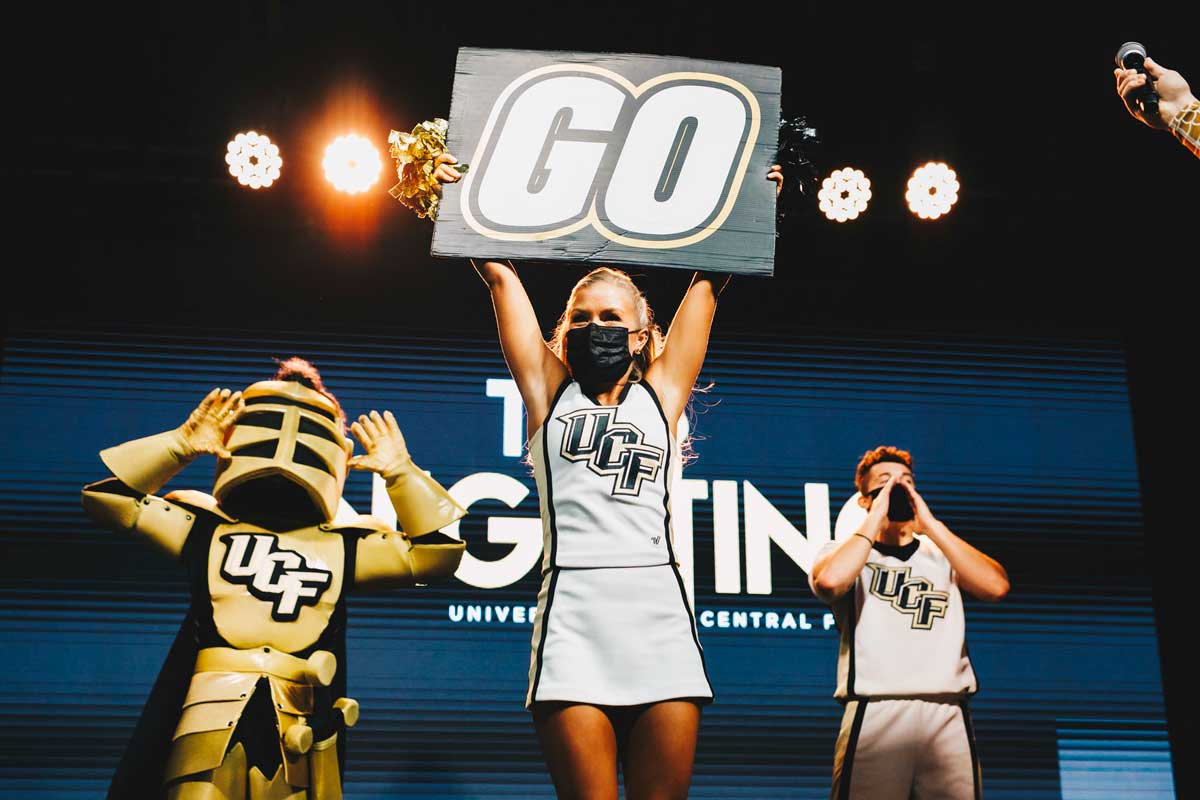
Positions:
(913, 596)
(610, 448)
(282, 577)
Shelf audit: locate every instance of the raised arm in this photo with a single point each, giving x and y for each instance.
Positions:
(417, 553)
(535, 368)
(833, 574)
(674, 372)
(1178, 109)
(976, 572)
(126, 501)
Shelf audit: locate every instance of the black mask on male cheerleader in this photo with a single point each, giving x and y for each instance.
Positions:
(598, 354)
(899, 506)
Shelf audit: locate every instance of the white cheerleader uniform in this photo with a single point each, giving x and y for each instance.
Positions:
(614, 626)
(904, 675)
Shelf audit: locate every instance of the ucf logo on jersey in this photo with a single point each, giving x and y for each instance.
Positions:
(913, 596)
(653, 165)
(610, 448)
(281, 577)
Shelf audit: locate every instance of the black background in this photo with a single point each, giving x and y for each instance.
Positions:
(1073, 219)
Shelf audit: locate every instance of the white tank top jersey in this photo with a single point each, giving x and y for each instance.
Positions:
(602, 475)
(903, 630)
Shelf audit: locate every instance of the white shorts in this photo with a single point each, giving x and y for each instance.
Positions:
(908, 748)
(615, 636)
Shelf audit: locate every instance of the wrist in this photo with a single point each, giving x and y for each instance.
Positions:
(717, 280)
(931, 527)
(181, 446)
(1186, 111)
(493, 273)
(398, 468)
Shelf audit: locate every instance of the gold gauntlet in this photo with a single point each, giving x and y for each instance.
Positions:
(148, 463)
(421, 504)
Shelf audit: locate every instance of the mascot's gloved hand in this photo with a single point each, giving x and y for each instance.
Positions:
(421, 504)
(146, 464)
(206, 427)
(380, 436)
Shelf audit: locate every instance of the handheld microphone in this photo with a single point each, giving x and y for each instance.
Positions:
(1132, 55)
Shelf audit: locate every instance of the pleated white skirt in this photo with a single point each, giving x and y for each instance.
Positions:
(618, 636)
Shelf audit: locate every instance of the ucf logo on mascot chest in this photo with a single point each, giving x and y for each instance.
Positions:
(283, 578)
(258, 668)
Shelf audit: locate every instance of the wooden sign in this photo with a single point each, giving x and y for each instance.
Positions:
(612, 159)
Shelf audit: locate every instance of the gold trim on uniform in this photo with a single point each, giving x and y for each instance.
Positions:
(143, 465)
(221, 687)
(200, 500)
(267, 660)
(226, 782)
(277, 788)
(325, 778)
(197, 753)
(158, 521)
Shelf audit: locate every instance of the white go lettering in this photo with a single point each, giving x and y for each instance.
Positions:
(572, 145)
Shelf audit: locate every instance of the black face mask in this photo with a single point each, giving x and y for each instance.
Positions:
(899, 506)
(598, 354)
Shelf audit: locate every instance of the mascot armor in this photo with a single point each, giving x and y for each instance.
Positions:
(251, 700)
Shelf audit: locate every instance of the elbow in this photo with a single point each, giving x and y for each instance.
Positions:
(93, 505)
(436, 558)
(996, 591)
(824, 586)
(495, 274)
(110, 509)
(1002, 588)
(714, 282)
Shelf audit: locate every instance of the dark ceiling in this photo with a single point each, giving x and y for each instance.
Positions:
(119, 121)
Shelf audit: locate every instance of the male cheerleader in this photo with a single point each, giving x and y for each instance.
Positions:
(904, 674)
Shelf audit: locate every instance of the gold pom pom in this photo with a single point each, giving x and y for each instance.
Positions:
(415, 154)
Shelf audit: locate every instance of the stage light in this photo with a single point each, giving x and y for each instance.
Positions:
(352, 163)
(932, 190)
(844, 194)
(253, 160)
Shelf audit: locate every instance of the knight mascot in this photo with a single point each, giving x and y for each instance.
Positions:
(251, 700)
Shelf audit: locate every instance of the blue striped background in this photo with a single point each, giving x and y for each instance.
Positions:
(1023, 446)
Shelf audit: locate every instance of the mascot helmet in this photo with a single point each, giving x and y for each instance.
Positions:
(288, 452)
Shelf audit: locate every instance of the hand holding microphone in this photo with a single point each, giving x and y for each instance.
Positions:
(1152, 93)
(1140, 93)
